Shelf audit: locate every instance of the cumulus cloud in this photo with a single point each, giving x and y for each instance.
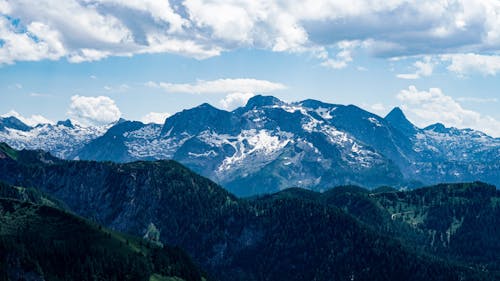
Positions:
(432, 106)
(155, 117)
(160, 11)
(89, 30)
(240, 85)
(98, 110)
(87, 55)
(423, 68)
(234, 100)
(464, 64)
(38, 42)
(343, 57)
(32, 120)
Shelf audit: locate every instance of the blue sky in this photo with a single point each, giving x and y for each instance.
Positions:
(97, 60)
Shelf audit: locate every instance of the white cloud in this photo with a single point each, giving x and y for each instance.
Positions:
(160, 43)
(118, 88)
(4, 7)
(432, 106)
(32, 120)
(343, 57)
(234, 100)
(37, 43)
(155, 117)
(409, 76)
(87, 55)
(477, 100)
(161, 11)
(88, 30)
(93, 110)
(80, 23)
(463, 64)
(236, 24)
(237, 91)
(240, 85)
(35, 94)
(423, 68)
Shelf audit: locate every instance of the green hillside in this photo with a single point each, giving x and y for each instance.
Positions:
(40, 242)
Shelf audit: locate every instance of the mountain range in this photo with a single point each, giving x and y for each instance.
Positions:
(269, 145)
(443, 232)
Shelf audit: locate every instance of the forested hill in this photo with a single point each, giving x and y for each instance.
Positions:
(41, 242)
(454, 221)
(296, 234)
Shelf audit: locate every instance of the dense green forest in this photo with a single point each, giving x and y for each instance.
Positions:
(40, 242)
(458, 222)
(445, 232)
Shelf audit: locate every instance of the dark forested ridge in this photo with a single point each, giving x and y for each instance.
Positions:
(454, 221)
(347, 233)
(40, 242)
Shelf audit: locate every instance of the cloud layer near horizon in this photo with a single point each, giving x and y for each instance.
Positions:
(433, 106)
(461, 31)
(423, 108)
(237, 91)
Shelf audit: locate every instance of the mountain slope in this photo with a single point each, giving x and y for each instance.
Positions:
(453, 221)
(458, 221)
(268, 238)
(39, 242)
(31, 195)
(63, 139)
(13, 123)
(398, 120)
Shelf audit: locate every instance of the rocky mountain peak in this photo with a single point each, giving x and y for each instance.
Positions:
(315, 104)
(13, 123)
(65, 123)
(259, 101)
(398, 120)
(197, 119)
(438, 127)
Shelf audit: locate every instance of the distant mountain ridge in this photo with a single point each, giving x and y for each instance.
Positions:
(62, 139)
(269, 145)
